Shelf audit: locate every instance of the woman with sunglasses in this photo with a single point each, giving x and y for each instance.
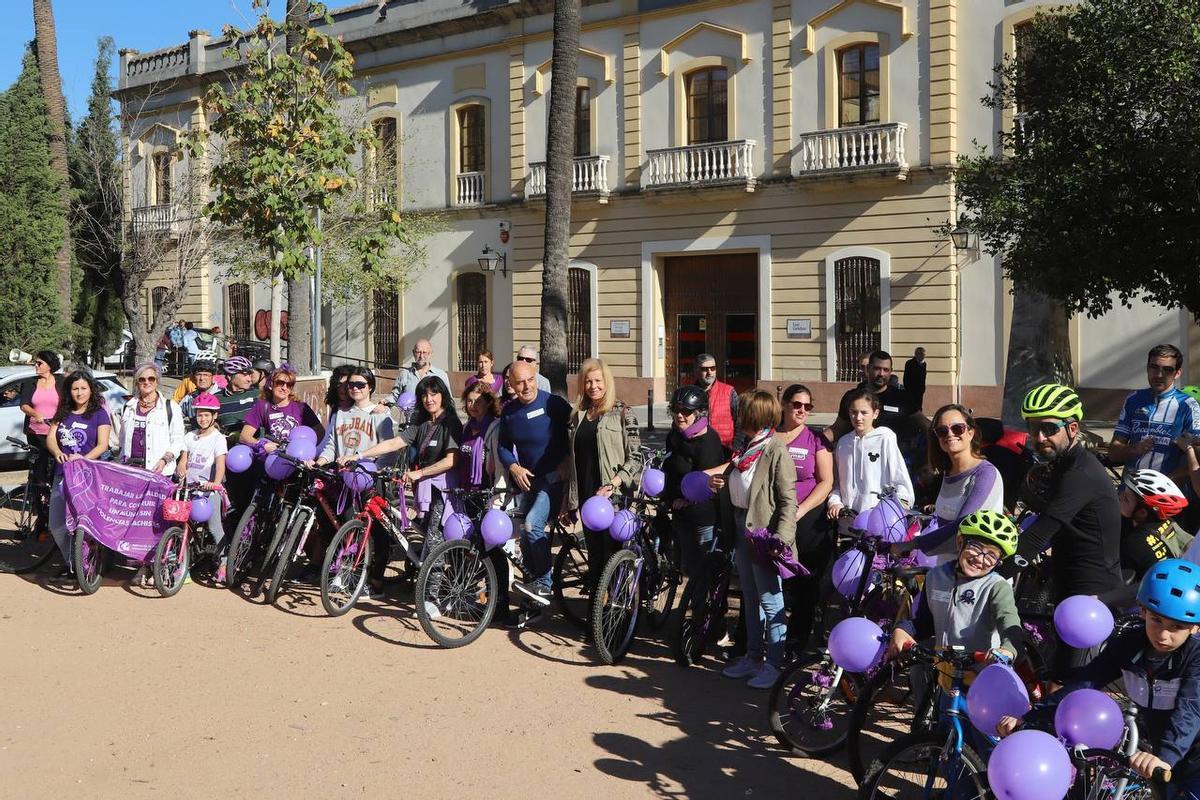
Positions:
(359, 426)
(151, 425)
(814, 481)
(39, 403)
(278, 411)
(692, 446)
(970, 482)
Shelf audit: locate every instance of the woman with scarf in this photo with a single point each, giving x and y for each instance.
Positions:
(691, 446)
(758, 493)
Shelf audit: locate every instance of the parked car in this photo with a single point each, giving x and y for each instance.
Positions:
(12, 422)
(122, 357)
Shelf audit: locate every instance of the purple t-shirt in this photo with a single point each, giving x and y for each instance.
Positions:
(78, 433)
(278, 421)
(497, 382)
(137, 443)
(803, 449)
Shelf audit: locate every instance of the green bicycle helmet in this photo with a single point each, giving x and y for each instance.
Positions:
(1052, 400)
(992, 527)
(1192, 392)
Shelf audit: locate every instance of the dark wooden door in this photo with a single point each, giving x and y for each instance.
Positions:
(711, 306)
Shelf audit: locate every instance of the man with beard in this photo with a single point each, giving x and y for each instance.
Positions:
(722, 400)
(894, 405)
(1082, 516)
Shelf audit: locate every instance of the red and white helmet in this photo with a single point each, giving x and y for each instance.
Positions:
(1157, 491)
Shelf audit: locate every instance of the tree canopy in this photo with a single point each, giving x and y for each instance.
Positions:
(1095, 194)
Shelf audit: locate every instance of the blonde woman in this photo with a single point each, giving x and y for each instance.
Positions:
(151, 425)
(605, 453)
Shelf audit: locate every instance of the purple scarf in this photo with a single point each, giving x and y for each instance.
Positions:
(474, 432)
(696, 429)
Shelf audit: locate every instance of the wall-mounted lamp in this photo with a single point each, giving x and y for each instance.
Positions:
(490, 259)
(963, 239)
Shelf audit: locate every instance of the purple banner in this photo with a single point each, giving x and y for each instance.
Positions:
(118, 505)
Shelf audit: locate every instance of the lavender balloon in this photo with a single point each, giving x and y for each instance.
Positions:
(861, 521)
(997, 692)
(202, 509)
(856, 644)
(407, 401)
(458, 526)
(887, 521)
(1089, 718)
(496, 528)
(1083, 621)
(278, 468)
(596, 513)
(302, 433)
(1029, 765)
(653, 482)
(624, 525)
(847, 571)
(694, 487)
(239, 458)
(301, 449)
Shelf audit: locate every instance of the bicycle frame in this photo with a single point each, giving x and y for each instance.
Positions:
(393, 518)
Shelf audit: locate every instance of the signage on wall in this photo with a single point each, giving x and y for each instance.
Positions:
(618, 328)
(799, 328)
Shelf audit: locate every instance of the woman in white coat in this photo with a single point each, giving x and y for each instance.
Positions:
(151, 425)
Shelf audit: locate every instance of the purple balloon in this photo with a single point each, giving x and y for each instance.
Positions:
(856, 644)
(887, 521)
(496, 528)
(597, 513)
(239, 458)
(1029, 765)
(653, 482)
(301, 449)
(847, 571)
(278, 468)
(407, 401)
(202, 509)
(302, 433)
(359, 480)
(1089, 718)
(694, 487)
(458, 526)
(624, 525)
(861, 521)
(1083, 621)
(997, 692)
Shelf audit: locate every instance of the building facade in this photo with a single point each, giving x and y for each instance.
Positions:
(765, 180)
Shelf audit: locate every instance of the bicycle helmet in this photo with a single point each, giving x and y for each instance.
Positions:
(264, 365)
(1191, 391)
(693, 398)
(206, 402)
(204, 365)
(236, 364)
(1052, 400)
(992, 527)
(1157, 491)
(1172, 588)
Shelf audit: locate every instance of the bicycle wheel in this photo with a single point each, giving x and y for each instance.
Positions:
(616, 606)
(89, 561)
(274, 548)
(456, 593)
(344, 570)
(704, 605)
(24, 546)
(809, 706)
(915, 766)
(286, 557)
(171, 563)
(241, 547)
(570, 579)
(660, 586)
(884, 712)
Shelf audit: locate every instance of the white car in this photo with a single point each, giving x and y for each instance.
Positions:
(12, 422)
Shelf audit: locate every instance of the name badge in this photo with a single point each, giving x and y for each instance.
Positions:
(800, 451)
(537, 412)
(432, 443)
(892, 409)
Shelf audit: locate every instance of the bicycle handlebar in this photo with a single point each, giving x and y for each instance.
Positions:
(23, 445)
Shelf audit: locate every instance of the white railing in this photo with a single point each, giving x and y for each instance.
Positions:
(470, 189)
(589, 175)
(1022, 131)
(862, 147)
(716, 162)
(154, 219)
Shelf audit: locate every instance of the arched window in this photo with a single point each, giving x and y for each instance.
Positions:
(707, 105)
(239, 311)
(158, 296)
(858, 84)
(471, 294)
(579, 317)
(857, 309)
(471, 136)
(161, 167)
(385, 328)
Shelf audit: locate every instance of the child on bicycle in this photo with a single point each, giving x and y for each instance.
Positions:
(867, 459)
(203, 462)
(1149, 502)
(1160, 664)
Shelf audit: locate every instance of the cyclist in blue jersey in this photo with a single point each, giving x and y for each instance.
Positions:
(1153, 418)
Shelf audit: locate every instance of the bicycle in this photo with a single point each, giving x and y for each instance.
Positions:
(246, 544)
(704, 606)
(185, 545)
(32, 545)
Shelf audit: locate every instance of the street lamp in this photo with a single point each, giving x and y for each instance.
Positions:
(490, 259)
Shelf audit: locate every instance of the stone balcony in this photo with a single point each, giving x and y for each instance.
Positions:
(157, 220)
(697, 165)
(589, 178)
(469, 189)
(861, 148)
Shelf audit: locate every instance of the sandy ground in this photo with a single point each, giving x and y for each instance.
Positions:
(124, 694)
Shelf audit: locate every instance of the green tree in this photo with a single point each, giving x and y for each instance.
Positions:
(96, 217)
(285, 153)
(32, 227)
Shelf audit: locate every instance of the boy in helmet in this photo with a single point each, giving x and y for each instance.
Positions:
(1160, 665)
(1149, 501)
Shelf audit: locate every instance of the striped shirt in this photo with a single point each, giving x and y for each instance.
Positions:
(1163, 418)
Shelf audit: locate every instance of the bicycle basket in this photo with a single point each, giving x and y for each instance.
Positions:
(176, 510)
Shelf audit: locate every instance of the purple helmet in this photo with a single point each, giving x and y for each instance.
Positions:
(236, 364)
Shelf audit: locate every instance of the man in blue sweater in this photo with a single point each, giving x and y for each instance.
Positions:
(532, 447)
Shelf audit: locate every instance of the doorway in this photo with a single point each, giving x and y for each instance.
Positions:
(712, 307)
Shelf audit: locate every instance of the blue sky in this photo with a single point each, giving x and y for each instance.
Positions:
(141, 24)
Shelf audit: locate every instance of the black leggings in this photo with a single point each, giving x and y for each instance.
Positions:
(815, 546)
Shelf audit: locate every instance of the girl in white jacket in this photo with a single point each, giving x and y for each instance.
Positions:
(867, 460)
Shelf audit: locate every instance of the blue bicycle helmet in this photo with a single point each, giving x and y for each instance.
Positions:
(1172, 588)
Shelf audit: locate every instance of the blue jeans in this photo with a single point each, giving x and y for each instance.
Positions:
(536, 505)
(695, 542)
(1186, 789)
(762, 601)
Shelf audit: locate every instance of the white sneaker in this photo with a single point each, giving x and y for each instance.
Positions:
(765, 677)
(741, 669)
(431, 610)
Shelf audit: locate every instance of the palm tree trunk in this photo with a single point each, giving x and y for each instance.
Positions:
(56, 106)
(560, 152)
(299, 297)
(1039, 349)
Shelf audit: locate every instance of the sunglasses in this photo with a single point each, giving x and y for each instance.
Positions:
(527, 359)
(1046, 429)
(288, 384)
(711, 368)
(40, 363)
(944, 431)
(680, 410)
(800, 406)
(357, 384)
(1160, 369)
(150, 379)
(979, 550)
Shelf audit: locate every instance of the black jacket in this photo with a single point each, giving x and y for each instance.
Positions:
(688, 455)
